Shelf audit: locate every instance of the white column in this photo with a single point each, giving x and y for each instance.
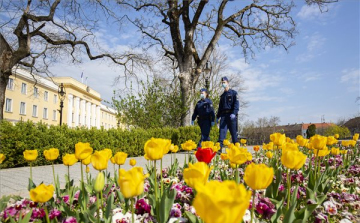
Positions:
(82, 113)
(88, 113)
(98, 118)
(76, 114)
(93, 115)
(70, 110)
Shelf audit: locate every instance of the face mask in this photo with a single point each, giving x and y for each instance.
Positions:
(202, 96)
(224, 85)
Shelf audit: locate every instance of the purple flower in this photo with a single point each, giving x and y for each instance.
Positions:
(175, 212)
(54, 214)
(281, 187)
(70, 220)
(10, 211)
(142, 207)
(261, 208)
(38, 213)
(66, 199)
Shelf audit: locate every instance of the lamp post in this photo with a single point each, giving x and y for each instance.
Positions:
(61, 94)
(207, 74)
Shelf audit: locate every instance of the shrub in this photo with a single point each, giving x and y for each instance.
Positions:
(15, 138)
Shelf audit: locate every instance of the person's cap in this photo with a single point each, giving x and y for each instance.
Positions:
(224, 79)
(203, 89)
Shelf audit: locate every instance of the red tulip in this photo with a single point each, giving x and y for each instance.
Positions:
(205, 155)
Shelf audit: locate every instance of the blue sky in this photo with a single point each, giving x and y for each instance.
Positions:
(319, 76)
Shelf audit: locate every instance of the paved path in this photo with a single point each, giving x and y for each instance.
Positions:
(14, 181)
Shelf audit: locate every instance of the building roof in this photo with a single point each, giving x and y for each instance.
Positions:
(353, 123)
(317, 125)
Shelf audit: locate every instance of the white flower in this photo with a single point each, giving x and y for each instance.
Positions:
(116, 210)
(330, 207)
(345, 220)
(180, 220)
(247, 217)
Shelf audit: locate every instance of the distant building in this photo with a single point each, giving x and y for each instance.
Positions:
(32, 97)
(353, 125)
(262, 135)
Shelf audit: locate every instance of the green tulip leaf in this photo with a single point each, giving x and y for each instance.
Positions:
(109, 206)
(166, 203)
(290, 214)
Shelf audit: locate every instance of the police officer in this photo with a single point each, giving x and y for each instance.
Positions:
(204, 112)
(227, 112)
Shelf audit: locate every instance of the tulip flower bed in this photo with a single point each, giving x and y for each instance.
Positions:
(287, 180)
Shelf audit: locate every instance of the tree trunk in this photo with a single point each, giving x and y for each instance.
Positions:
(4, 79)
(5, 71)
(187, 94)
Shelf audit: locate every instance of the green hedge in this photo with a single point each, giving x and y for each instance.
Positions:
(14, 139)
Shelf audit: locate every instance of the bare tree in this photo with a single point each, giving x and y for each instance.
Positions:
(180, 28)
(33, 34)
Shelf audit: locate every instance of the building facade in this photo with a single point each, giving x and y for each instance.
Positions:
(35, 98)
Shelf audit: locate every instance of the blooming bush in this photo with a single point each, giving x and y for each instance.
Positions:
(314, 180)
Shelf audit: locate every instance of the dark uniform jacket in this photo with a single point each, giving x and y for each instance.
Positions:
(229, 103)
(204, 110)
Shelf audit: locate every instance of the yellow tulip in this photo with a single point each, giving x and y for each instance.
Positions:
(269, 146)
(108, 152)
(356, 137)
(293, 159)
(30, 155)
(278, 139)
(99, 182)
(156, 148)
(197, 173)
(216, 147)
(301, 141)
(69, 159)
(42, 193)
(238, 155)
(112, 159)
(352, 143)
(226, 142)
(224, 202)
(120, 158)
(243, 141)
(335, 151)
(269, 154)
(99, 160)
(321, 152)
(87, 169)
(132, 162)
(318, 142)
(331, 140)
(258, 176)
(343, 151)
(224, 156)
(51, 154)
(2, 158)
(189, 145)
(290, 146)
(174, 148)
(207, 144)
(86, 161)
(336, 136)
(82, 150)
(131, 182)
(236, 144)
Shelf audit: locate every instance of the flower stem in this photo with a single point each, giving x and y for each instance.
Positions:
(188, 156)
(253, 206)
(102, 203)
(31, 171)
(69, 178)
(289, 187)
(98, 207)
(156, 189)
(132, 210)
(237, 180)
(47, 214)
(161, 179)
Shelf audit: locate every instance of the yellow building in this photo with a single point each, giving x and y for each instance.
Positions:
(32, 97)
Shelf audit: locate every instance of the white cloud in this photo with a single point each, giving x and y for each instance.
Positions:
(309, 12)
(314, 46)
(352, 80)
(313, 12)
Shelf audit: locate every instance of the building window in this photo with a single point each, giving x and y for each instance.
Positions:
(8, 105)
(23, 88)
(79, 120)
(34, 113)
(45, 114)
(22, 108)
(54, 115)
(10, 84)
(72, 117)
(46, 95)
(55, 98)
(36, 92)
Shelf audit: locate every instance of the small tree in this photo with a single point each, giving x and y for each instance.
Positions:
(343, 132)
(311, 131)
